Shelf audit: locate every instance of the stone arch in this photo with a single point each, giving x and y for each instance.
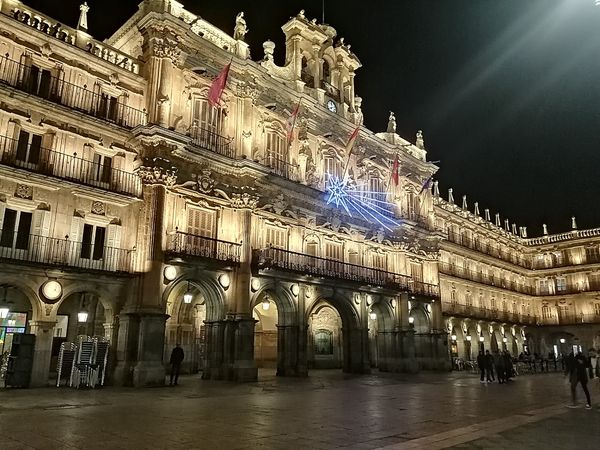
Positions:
(421, 319)
(109, 300)
(189, 323)
(29, 290)
(354, 333)
(283, 298)
(380, 328)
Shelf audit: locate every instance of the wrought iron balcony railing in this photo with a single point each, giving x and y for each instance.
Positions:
(34, 158)
(570, 319)
(475, 312)
(212, 141)
(591, 285)
(42, 83)
(47, 251)
(280, 166)
(491, 250)
(490, 280)
(315, 266)
(186, 244)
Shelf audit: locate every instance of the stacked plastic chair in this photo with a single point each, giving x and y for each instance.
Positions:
(66, 360)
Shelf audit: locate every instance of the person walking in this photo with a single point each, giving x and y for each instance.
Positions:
(481, 365)
(577, 372)
(508, 366)
(500, 366)
(177, 356)
(489, 366)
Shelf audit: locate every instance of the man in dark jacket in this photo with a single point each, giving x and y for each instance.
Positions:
(577, 372)
(482, 363)
(489, 366)
(175, 361)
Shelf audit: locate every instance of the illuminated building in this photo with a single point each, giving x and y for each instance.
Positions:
(126, 197)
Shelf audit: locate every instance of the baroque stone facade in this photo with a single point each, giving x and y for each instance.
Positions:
(124, 194)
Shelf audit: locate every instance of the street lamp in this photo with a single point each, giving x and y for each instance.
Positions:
(411, 320)
(562, 340)
(469, 338)
(82, 316)
(453, 337)
(266, 304)
(481, 339)
(372, 315)
(188, 296)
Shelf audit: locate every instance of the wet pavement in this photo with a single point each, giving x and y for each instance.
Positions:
(326, 410)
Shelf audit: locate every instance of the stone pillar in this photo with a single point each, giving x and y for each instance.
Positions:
(340, 85)
(287, 350)
(356, 350)
(126, 349)
(215, 344)
(111, 332)
(44, 333)
(244, 366)
(149, 369)
(352, 94)
(406, 341)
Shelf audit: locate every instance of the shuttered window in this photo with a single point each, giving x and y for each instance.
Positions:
(333, 251)
(206, 120)
(331, 167)
(201, 222)
(276, 154)
(276, 237)
(92, 242)
(379, 261)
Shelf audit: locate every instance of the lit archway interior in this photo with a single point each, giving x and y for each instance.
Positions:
(265, 332)
(325, 345)
(16, 314)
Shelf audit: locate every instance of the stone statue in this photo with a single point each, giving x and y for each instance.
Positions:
(391, 128)
(420, 141)
(301, 15)
(240, 30)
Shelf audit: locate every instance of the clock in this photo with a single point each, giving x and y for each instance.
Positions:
(52, 290)
(331, 106)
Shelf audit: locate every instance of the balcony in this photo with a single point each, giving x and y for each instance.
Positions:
(487, 249)
(592, 285)
(43, 84)
(275, 258)
(46, 251)
(473, 312)
(186, 244)
(571, 319)
(34, 158)
(489, 280)
(212, 141)
(280, 166)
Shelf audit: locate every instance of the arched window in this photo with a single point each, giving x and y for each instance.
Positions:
(326, 72)
(375, 190)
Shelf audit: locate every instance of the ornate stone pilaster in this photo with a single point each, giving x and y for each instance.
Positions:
(44, 334)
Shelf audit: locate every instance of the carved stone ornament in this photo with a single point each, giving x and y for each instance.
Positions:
(204, 182)
(158, 175)
(244, 200)
(48, 309)
(165, 44)
(246, 90)
(24, 191)
(98, 208)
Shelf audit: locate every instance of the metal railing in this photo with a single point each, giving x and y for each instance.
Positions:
(187, 244)
(476, 312)
(68, 167)
(321, 267)
(490, 280)
(212, 141)
(491, 250)
(280, 166)
(592, 285)
(30, 248)
(570, 319)
(43, 84)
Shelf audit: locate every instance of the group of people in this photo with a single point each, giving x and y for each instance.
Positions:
(581, 368)
(498, 365)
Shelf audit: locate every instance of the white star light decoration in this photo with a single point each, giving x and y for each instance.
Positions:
(341, 192)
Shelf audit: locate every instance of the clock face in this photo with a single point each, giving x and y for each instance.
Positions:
(331, 106)
(52, 290)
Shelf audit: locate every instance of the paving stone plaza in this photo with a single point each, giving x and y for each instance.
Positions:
(326, 410)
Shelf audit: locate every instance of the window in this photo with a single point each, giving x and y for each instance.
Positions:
(546, 313)
(28, 148)
(101, 168)
(323, 342)
(597, 309)
(331, 167)
(493, 303)
(469, 299)
(207, 122)
(333, 251)
(16, 226)
(92, 242)
(561, 284)
(592, 254)
(276, 237)
(312, 248)
(276, 152)
(109, 107)
(379, 261)
(375, 191)
(543, 286)
(354, 258)
(453, 295)
(201, 222)
(38, 81)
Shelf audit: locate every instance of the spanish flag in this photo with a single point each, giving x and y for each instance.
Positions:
(352, 139)
(218, 86)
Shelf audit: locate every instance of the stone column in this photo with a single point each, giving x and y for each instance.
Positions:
(352, 99)
(287, 350)
(44, 333)
(126, 349)
(111, 332)
(356, 350)
(341, 84)
(215, 344)
(406, 341)
(149, 369)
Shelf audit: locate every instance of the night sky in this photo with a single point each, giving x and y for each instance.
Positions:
(507, 92)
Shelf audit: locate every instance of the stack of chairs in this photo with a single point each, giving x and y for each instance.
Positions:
(82, 369)
(66, 360)
(99, 360)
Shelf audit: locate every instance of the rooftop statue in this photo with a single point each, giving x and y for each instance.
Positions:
(240, 30)
(391, 128)
(301, 14)
(420, 141)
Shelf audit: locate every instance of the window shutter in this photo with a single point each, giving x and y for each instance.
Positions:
(2, 210)
(113, 238)
(41, 223)
(76, 226)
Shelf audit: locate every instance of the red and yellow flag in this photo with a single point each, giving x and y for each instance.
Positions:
(218, 86)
